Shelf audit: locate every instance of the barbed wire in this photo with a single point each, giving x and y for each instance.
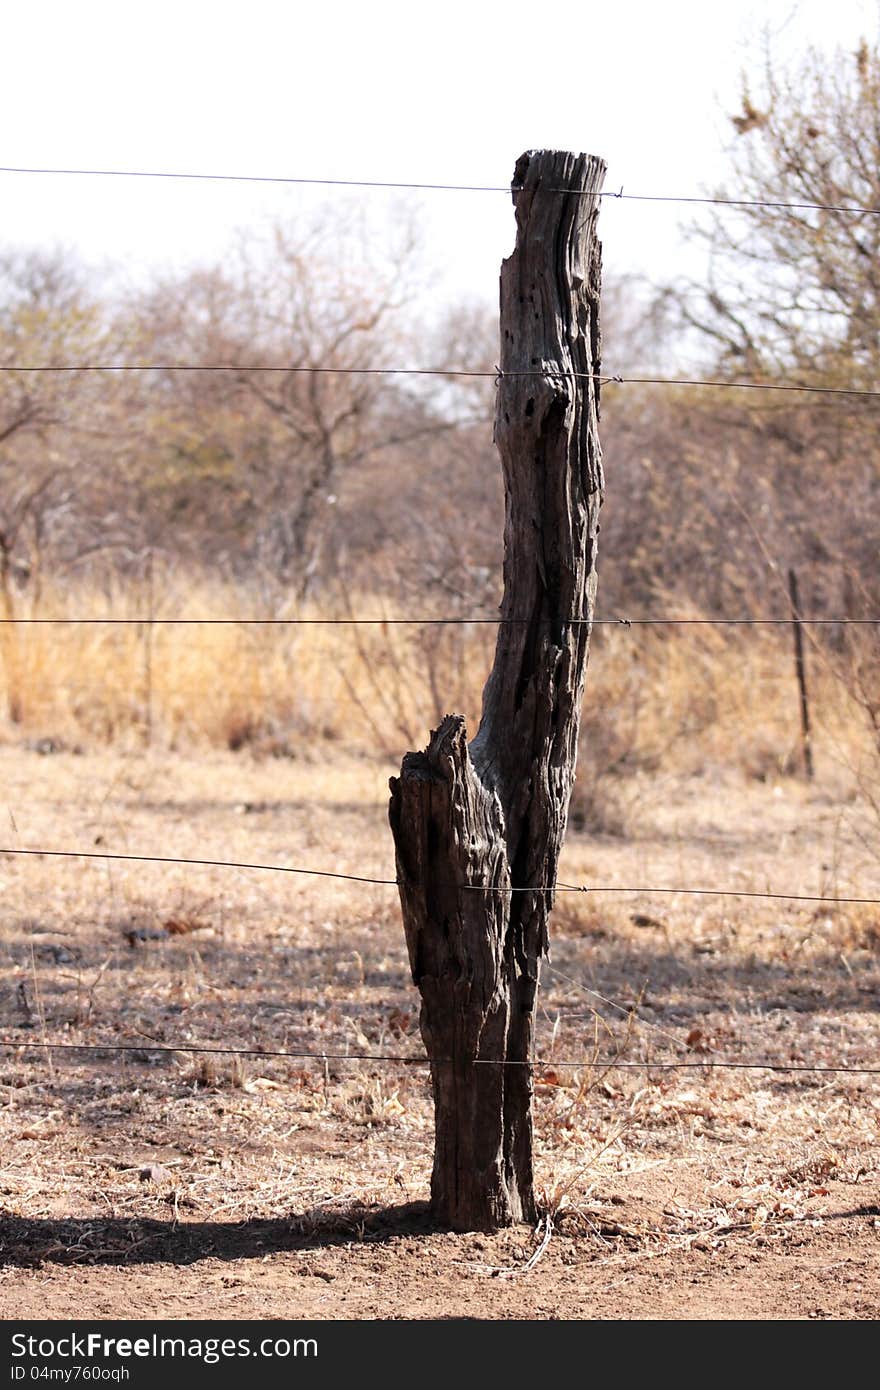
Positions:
(467, 620)
(828, 899)
(725, 385)
(268, 367)
(280, 693)
(204, 863)
(705, 1062)
(140, 692)
(496, 374)
(401, 185)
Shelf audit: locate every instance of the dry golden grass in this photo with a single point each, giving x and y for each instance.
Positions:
(231, 683)
(679, 698)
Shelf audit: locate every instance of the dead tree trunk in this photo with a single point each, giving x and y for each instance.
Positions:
(478, 829)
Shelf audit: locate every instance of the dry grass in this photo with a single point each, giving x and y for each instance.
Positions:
(681, 699)
(150, 957)
(235, 684)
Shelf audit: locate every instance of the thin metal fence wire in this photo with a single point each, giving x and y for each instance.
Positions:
(628, 1013)
(148, 1047)
(280, 695)
(496, 374)
(289, 701)
(478, 621)
(850, 208)
(705, 1063)
(827, 899)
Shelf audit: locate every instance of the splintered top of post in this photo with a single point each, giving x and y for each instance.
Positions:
(557, 171)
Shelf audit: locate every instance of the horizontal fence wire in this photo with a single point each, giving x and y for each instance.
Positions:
(631, 1013)
(495, 374)
(280, 694)
(407, 1059)
(828, 899)
(154, 621)
(150, 1046)
(294, 181)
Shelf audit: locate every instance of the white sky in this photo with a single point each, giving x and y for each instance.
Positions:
(440, 92)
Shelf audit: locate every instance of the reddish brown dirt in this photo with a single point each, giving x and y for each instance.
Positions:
(173, 1184)
(390, 1265)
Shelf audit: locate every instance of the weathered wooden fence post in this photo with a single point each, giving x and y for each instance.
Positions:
(800, 671)
(478, 829)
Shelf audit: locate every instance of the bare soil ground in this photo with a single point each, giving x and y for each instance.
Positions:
(156, 1183)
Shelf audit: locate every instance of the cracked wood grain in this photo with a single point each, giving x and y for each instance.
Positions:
(472, 821)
